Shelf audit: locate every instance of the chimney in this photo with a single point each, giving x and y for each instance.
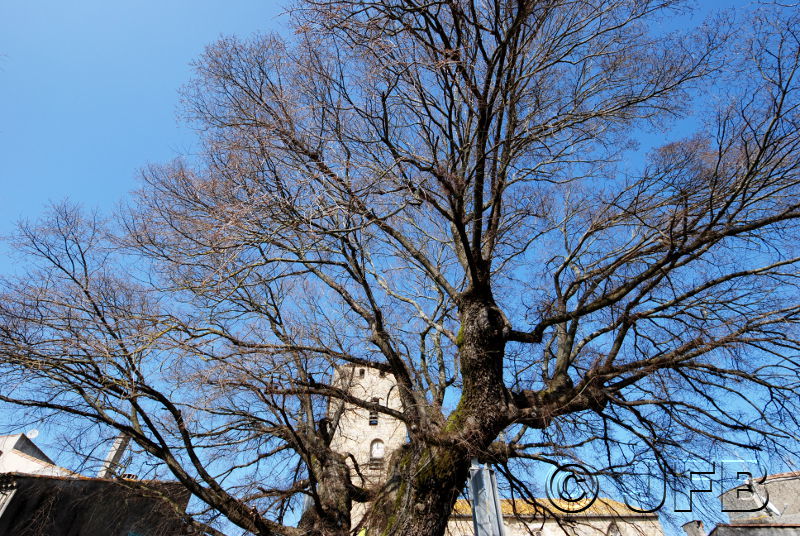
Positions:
(694, 528)
(114, 456)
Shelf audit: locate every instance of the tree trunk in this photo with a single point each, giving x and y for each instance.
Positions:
(427, 477)
(330, 513)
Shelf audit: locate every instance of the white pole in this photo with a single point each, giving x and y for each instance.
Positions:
(111, 464)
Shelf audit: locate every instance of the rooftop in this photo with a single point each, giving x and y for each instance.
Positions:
(601, 507)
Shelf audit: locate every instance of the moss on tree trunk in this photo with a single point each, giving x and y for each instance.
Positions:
(426, 477)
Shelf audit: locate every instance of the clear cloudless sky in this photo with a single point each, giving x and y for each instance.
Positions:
(88, 92)
(88, 96)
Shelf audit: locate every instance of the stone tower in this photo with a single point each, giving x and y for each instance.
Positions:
(369, 436)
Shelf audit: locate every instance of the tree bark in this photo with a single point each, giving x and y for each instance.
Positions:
(428, 475)
(331, 516)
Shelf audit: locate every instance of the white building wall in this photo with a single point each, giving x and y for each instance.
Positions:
(16, 461)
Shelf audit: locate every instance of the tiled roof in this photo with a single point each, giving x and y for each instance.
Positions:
(791, 474)
(767, 478)
(601, 507)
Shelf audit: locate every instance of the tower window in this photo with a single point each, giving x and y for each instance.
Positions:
(373, 415)
(361, 373)
(377, 451)
(382, 373)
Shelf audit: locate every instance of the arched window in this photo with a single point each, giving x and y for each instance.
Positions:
(613, 529)
(376, 453)
(376, 450)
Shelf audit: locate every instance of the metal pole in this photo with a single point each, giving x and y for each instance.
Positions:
(487, 515)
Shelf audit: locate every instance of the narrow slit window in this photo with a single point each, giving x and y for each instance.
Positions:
(373, 414)
(361, 373)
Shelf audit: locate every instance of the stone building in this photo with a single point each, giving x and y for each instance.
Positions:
(371, 437)
(772, 498)
(367, 435)
(768, 506)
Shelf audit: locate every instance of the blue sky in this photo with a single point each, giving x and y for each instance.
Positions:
(88, 95)
(88, 92)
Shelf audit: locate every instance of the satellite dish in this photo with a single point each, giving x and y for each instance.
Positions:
(32, 433)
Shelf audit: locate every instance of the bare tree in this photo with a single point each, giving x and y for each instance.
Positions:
(438, 189)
